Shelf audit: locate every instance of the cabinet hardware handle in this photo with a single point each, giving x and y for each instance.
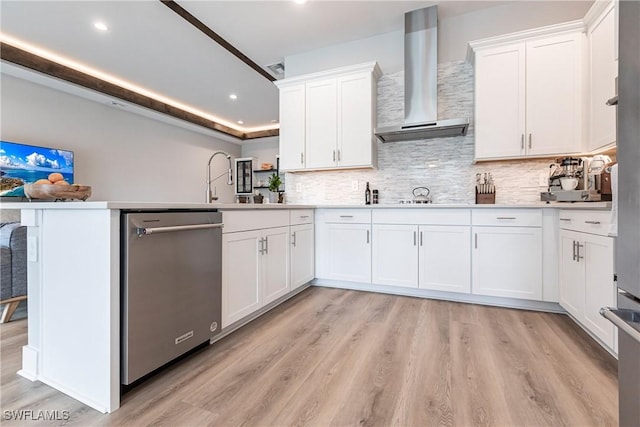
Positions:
(522, 141)
(301, 158)
(415, 238)
(293, 239)
(565, 219)
(338, 155)
(592, 222)
(304, 216)
(505, 217)
(421, 238)
(367, 236)
(266, 245)
(346, 216)
(574, 250)
(578, 256)
(261, 250)
(476, 240)
(334, 155)
(529, 140)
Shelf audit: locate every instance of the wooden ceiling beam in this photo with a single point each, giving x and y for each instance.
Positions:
(51, 68)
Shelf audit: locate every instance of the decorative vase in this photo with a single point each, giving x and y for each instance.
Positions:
(273, 197)
(280, 197)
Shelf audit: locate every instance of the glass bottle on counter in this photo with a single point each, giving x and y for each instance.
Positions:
(367, 195)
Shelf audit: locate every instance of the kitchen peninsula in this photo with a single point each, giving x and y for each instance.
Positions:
(74, 272)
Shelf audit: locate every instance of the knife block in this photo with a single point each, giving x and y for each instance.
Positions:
(485, 199)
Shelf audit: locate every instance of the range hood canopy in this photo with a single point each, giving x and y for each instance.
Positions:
(421, 83)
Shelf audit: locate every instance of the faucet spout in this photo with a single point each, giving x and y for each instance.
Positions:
(209, 197)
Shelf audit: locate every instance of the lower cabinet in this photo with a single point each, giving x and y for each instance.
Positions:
(302, 255)
(426, 256)
(586, 281)
(344, 251)
(507, 262)
(255, 271)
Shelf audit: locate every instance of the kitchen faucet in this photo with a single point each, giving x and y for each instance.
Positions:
(211, 197)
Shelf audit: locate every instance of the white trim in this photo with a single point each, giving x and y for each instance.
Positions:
(594, 13)
(371, 67)
(98, 406)
(532, 34)
(29, 363)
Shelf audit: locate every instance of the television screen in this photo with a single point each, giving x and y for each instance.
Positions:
(25, 164)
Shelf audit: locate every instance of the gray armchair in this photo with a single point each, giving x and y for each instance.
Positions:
(13, 267)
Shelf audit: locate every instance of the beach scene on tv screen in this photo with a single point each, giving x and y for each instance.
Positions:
(22, 164)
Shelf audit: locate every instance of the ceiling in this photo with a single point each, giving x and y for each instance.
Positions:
(150, 46)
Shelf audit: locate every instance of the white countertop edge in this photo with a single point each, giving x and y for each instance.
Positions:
(251, 206)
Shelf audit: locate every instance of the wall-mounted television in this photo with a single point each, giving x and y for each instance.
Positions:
(22, 164)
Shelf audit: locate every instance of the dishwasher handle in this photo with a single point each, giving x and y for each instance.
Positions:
(623, 319)
(142, 231)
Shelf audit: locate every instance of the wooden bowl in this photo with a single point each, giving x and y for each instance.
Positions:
(57, 192)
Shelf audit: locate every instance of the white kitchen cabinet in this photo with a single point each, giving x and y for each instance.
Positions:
(322, 123)
(241, 273)
(255, 262)
(302, 255)
(603, 69)
(507, 262)
(349, 252)
(338, 116)
(445, 258)
(528, 96)
(274, 264)
(292, 127)
(586, 279)
(395, 255)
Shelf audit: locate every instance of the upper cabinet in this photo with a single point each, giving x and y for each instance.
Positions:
(603, 69)
(528, 93)
(327, 119)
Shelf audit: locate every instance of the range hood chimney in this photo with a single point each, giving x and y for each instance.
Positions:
(421, 83)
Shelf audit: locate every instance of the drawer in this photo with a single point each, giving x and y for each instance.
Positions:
(507, 217)
(300, 216)
(254, 220)
(344, 216)
(594, 222)
(426, 216)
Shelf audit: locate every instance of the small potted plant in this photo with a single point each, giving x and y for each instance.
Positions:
(274, 182)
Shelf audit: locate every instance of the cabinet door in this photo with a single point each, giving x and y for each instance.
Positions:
(322, 116)
(349, 252)
(394, 254)
(355, 120)
(600, 289)
(500, 102)
(275, 264)
(292, 127)
(302, 255)
(603, 71)
(571, 275)
(507, 262)
(445, 258)
(554, 95)
(240, 275)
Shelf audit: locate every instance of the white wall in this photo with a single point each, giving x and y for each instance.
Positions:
(453, 35)
(123, 156)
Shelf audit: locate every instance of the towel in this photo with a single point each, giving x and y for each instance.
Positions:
(613, 223)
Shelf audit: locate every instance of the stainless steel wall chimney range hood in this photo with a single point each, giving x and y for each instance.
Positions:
(421, 83)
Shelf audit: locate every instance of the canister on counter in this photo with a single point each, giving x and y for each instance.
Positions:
(374, 197)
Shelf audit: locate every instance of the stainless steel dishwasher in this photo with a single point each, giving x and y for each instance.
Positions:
(171, 286)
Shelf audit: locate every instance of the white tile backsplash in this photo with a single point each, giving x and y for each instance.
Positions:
(444, 165)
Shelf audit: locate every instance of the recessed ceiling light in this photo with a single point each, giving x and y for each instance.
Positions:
(240, 122)
(100, 26)
(233, 96)
(299, 1)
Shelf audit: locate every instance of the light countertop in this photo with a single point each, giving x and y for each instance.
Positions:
(250, 206)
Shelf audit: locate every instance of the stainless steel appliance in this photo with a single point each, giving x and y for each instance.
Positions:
(171, 286)
(627, 316)
(587, 179)
(421, 83)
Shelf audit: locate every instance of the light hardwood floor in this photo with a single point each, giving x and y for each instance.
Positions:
(338, 357)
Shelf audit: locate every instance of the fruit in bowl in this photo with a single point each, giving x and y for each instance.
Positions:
(56, 188)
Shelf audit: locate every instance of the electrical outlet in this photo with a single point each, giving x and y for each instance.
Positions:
(298, 187)
(354, 185)
(543, 180)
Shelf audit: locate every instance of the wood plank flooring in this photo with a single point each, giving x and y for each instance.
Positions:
(331, 357)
